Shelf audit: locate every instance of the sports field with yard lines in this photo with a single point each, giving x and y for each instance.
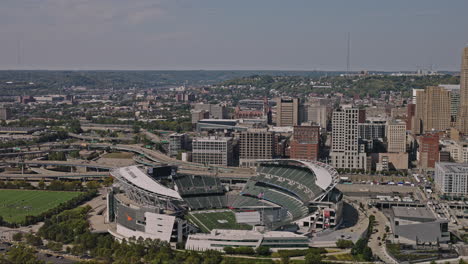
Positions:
(208, 221)
(15, 205)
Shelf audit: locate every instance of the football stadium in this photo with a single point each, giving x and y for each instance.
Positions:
(280, 207)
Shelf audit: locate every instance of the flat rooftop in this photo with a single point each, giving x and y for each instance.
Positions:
(451, 167)
(413, 213)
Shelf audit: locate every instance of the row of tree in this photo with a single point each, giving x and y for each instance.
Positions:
(71, 228)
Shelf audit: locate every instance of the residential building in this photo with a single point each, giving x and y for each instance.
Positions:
(458, 151)
(287, 112)
(256, 143)
(305, 142)
(451, 178)
(346, 152)
(212, 150)
(198, 115)
(216, 111)
(371, 130)
(177, 143)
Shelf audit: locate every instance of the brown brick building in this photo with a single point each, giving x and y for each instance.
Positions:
(428, 151)
(305, 142)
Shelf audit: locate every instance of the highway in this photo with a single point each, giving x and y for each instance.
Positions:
(189, 167)
(77, 163)
(54, 176)
(37, 152)
(155, 158)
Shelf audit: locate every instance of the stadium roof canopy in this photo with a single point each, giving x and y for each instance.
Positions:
(326, 176)
(140, 179)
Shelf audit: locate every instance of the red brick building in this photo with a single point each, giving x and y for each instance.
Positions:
(410, 112)
(305, 142)
(428, 151)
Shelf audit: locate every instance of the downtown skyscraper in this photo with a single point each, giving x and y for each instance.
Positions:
(462, 119)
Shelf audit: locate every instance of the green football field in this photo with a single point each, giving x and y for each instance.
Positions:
(15, 205)
(208, 221)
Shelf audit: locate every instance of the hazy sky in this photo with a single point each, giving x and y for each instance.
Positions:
(235, 34)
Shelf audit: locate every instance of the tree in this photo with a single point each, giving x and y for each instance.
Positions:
(18, 236)
(342, 243)
(75, 126)
(313, 258)
(33, 240)
(229, 250)
(212, 257)
(193, 258)
(41, 185)
(93, 185)
(22, 254)
(284, 257)
(367, 254)
(263, 251)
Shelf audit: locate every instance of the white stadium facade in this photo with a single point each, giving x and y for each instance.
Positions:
(282, 205)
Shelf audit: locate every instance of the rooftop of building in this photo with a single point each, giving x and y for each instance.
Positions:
(212, 138)
(451, 167)
(423, 214)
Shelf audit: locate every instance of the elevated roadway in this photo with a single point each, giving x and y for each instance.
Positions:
(55, 176)
(77, 163)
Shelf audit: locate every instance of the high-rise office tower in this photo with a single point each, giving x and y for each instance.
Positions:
(287, 112)
(396, 136)
(410, 112)
(346, 152)
(256, 143)
(305, 142)
(432, 110)
(454, 99)
(462, 120)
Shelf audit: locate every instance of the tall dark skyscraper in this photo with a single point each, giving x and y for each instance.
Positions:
(462, 119)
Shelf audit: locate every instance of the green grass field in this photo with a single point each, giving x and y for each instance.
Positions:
(15, 205)
(118, 155)
(217, 220)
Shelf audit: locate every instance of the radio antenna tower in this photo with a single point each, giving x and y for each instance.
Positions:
(18, 53)
(348, 55)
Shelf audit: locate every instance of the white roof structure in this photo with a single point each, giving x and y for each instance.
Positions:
(137, 177)
(323, 175)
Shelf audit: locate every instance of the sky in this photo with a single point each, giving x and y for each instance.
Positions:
(232, 35)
